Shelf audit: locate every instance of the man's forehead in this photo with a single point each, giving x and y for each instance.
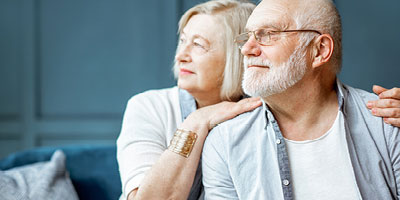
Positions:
(269, 15)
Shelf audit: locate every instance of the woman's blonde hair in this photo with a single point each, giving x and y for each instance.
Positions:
(233, 16)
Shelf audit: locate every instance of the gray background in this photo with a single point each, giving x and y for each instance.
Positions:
(68, 67)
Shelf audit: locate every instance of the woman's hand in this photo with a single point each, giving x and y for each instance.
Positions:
(208, 117)
(388, 106)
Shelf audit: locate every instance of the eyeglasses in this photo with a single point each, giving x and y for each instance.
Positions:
(265, 37)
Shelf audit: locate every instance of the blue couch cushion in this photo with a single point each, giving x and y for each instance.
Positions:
(93, 168)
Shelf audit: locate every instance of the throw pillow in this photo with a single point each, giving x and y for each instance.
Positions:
(42, 180)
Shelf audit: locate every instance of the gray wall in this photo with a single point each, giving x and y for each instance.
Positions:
(67, 68)
(371, 41)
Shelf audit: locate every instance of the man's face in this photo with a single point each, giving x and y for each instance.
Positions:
(274, 68)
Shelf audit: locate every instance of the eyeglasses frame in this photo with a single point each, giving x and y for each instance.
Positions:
(285, 31)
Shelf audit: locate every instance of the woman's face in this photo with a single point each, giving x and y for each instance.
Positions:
(201, 56)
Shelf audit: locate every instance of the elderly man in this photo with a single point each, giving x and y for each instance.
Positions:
(314, 138)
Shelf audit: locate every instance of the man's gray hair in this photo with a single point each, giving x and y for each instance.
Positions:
(323, 16)
(233, 16)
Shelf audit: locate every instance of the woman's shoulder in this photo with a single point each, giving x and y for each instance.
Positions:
(160, 108)
(159, 100)
(156, 95)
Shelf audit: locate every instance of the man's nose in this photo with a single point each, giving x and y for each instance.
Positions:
(251, 48)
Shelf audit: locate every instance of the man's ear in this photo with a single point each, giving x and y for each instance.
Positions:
(322, 50)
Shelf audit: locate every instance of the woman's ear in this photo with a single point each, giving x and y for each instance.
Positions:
(322, 50)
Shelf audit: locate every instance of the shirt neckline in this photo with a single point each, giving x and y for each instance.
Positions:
(320, 137)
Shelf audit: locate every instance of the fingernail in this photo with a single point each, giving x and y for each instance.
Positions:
(369, 105)
(373, 111)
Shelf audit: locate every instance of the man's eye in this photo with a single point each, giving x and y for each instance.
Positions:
(198, 44)
(262, 33)
(274, 36)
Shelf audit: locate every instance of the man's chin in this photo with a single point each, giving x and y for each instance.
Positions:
(262, 94)
(260, 89)
(253, 91)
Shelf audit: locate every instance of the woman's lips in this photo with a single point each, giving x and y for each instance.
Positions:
(185, 71)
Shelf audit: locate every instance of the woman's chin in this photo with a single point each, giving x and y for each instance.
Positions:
(186, 85)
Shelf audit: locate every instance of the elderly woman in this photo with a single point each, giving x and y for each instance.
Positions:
(209, 69)
(164, 130)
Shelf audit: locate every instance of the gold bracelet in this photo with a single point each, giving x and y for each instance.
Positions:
(183, 141)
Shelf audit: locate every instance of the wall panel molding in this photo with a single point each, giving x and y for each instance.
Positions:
(60, 139)
(91, 127)
(9, 117)
(10, 136)
(9, 61)
(83, 117)
(75, 136)
(10, 127)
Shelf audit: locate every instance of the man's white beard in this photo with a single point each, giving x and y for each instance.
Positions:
(263, 83)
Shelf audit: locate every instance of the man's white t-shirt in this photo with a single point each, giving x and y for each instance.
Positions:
(321, 168)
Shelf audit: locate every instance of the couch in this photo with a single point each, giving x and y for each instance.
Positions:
(93, 169)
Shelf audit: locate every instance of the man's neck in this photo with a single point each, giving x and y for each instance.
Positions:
(307, 110)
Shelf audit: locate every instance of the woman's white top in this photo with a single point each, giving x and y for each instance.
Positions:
(149, 123)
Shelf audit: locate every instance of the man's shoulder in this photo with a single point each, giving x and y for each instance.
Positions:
(247, 118)
(359, 114)
(355, 104)
(360, 94)
(234, 135)
(239, 125)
